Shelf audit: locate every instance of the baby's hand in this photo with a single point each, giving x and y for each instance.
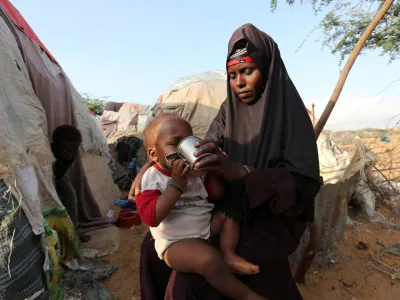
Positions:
(180, 172)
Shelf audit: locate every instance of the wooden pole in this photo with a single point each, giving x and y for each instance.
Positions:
(314, 244)
(313, 114)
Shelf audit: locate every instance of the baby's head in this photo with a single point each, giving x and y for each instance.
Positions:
(163, 135)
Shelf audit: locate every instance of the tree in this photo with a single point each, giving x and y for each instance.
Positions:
(95, 104)
(345, 21)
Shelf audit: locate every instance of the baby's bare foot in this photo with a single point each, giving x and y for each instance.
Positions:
(241, 266)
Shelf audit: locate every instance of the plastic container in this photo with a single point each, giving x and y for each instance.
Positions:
(128, 218)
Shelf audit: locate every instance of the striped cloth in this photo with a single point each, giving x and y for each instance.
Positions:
(25, 260)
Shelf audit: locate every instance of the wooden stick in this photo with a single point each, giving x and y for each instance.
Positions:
(313, 246)
(313, 114)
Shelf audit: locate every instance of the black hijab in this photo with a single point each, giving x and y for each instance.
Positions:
(274, 132)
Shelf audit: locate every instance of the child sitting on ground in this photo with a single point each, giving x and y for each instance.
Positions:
(174, 203)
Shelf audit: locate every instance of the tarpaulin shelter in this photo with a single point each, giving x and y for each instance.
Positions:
(36, 96)
(196, 98)
(124, 119)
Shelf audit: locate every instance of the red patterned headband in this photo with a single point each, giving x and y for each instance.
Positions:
(239, 60)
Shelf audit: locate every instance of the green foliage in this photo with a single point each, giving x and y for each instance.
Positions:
(95, 104)
(345, 21)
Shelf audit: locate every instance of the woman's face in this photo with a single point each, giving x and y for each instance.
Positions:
(245, 80)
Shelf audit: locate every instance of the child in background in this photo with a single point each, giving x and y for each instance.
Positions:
(65, 147)
(175, 204)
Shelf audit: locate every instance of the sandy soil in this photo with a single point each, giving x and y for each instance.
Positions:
(124, 283)
(351, 277)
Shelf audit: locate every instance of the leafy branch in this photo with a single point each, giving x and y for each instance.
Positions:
(345, 21)
(95, 104)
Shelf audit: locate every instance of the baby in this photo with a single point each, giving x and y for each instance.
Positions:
(175, 204)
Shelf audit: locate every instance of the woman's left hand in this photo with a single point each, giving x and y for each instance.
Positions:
(217, 162)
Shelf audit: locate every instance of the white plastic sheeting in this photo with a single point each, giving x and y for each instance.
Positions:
(188, 80)
(196, 98)
(342, 173)
(333, 161)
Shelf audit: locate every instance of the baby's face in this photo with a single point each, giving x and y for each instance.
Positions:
(171, 132)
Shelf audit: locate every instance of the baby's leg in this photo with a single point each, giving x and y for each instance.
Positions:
(228, 240)
(196, 256)
(217, 220)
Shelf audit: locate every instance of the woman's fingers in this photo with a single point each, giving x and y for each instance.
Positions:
(131, 195)
(203, 142)
(208, 169)
(138, 185)
(213, 160)
(135, 189)
(210, 147)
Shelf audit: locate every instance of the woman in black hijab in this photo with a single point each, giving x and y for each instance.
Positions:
(271, 170)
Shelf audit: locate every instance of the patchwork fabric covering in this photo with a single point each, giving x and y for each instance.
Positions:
(36, 96)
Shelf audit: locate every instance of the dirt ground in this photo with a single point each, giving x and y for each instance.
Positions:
(352, 276)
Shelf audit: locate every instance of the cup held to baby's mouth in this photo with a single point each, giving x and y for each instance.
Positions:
(185, 150)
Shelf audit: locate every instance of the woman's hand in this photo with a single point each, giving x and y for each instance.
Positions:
(218, 162)
(136, 187)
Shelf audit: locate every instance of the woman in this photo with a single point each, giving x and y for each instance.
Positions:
(271, 169)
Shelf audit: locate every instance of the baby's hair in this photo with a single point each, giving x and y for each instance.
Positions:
(152, 126)
(67, 133)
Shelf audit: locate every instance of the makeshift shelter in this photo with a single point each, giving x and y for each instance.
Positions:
(36, 96)
(341, 173)
(123, 120)
(196, 98)
(122, 125)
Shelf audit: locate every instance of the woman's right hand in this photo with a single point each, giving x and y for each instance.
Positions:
(136, 187)
(218, 162)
